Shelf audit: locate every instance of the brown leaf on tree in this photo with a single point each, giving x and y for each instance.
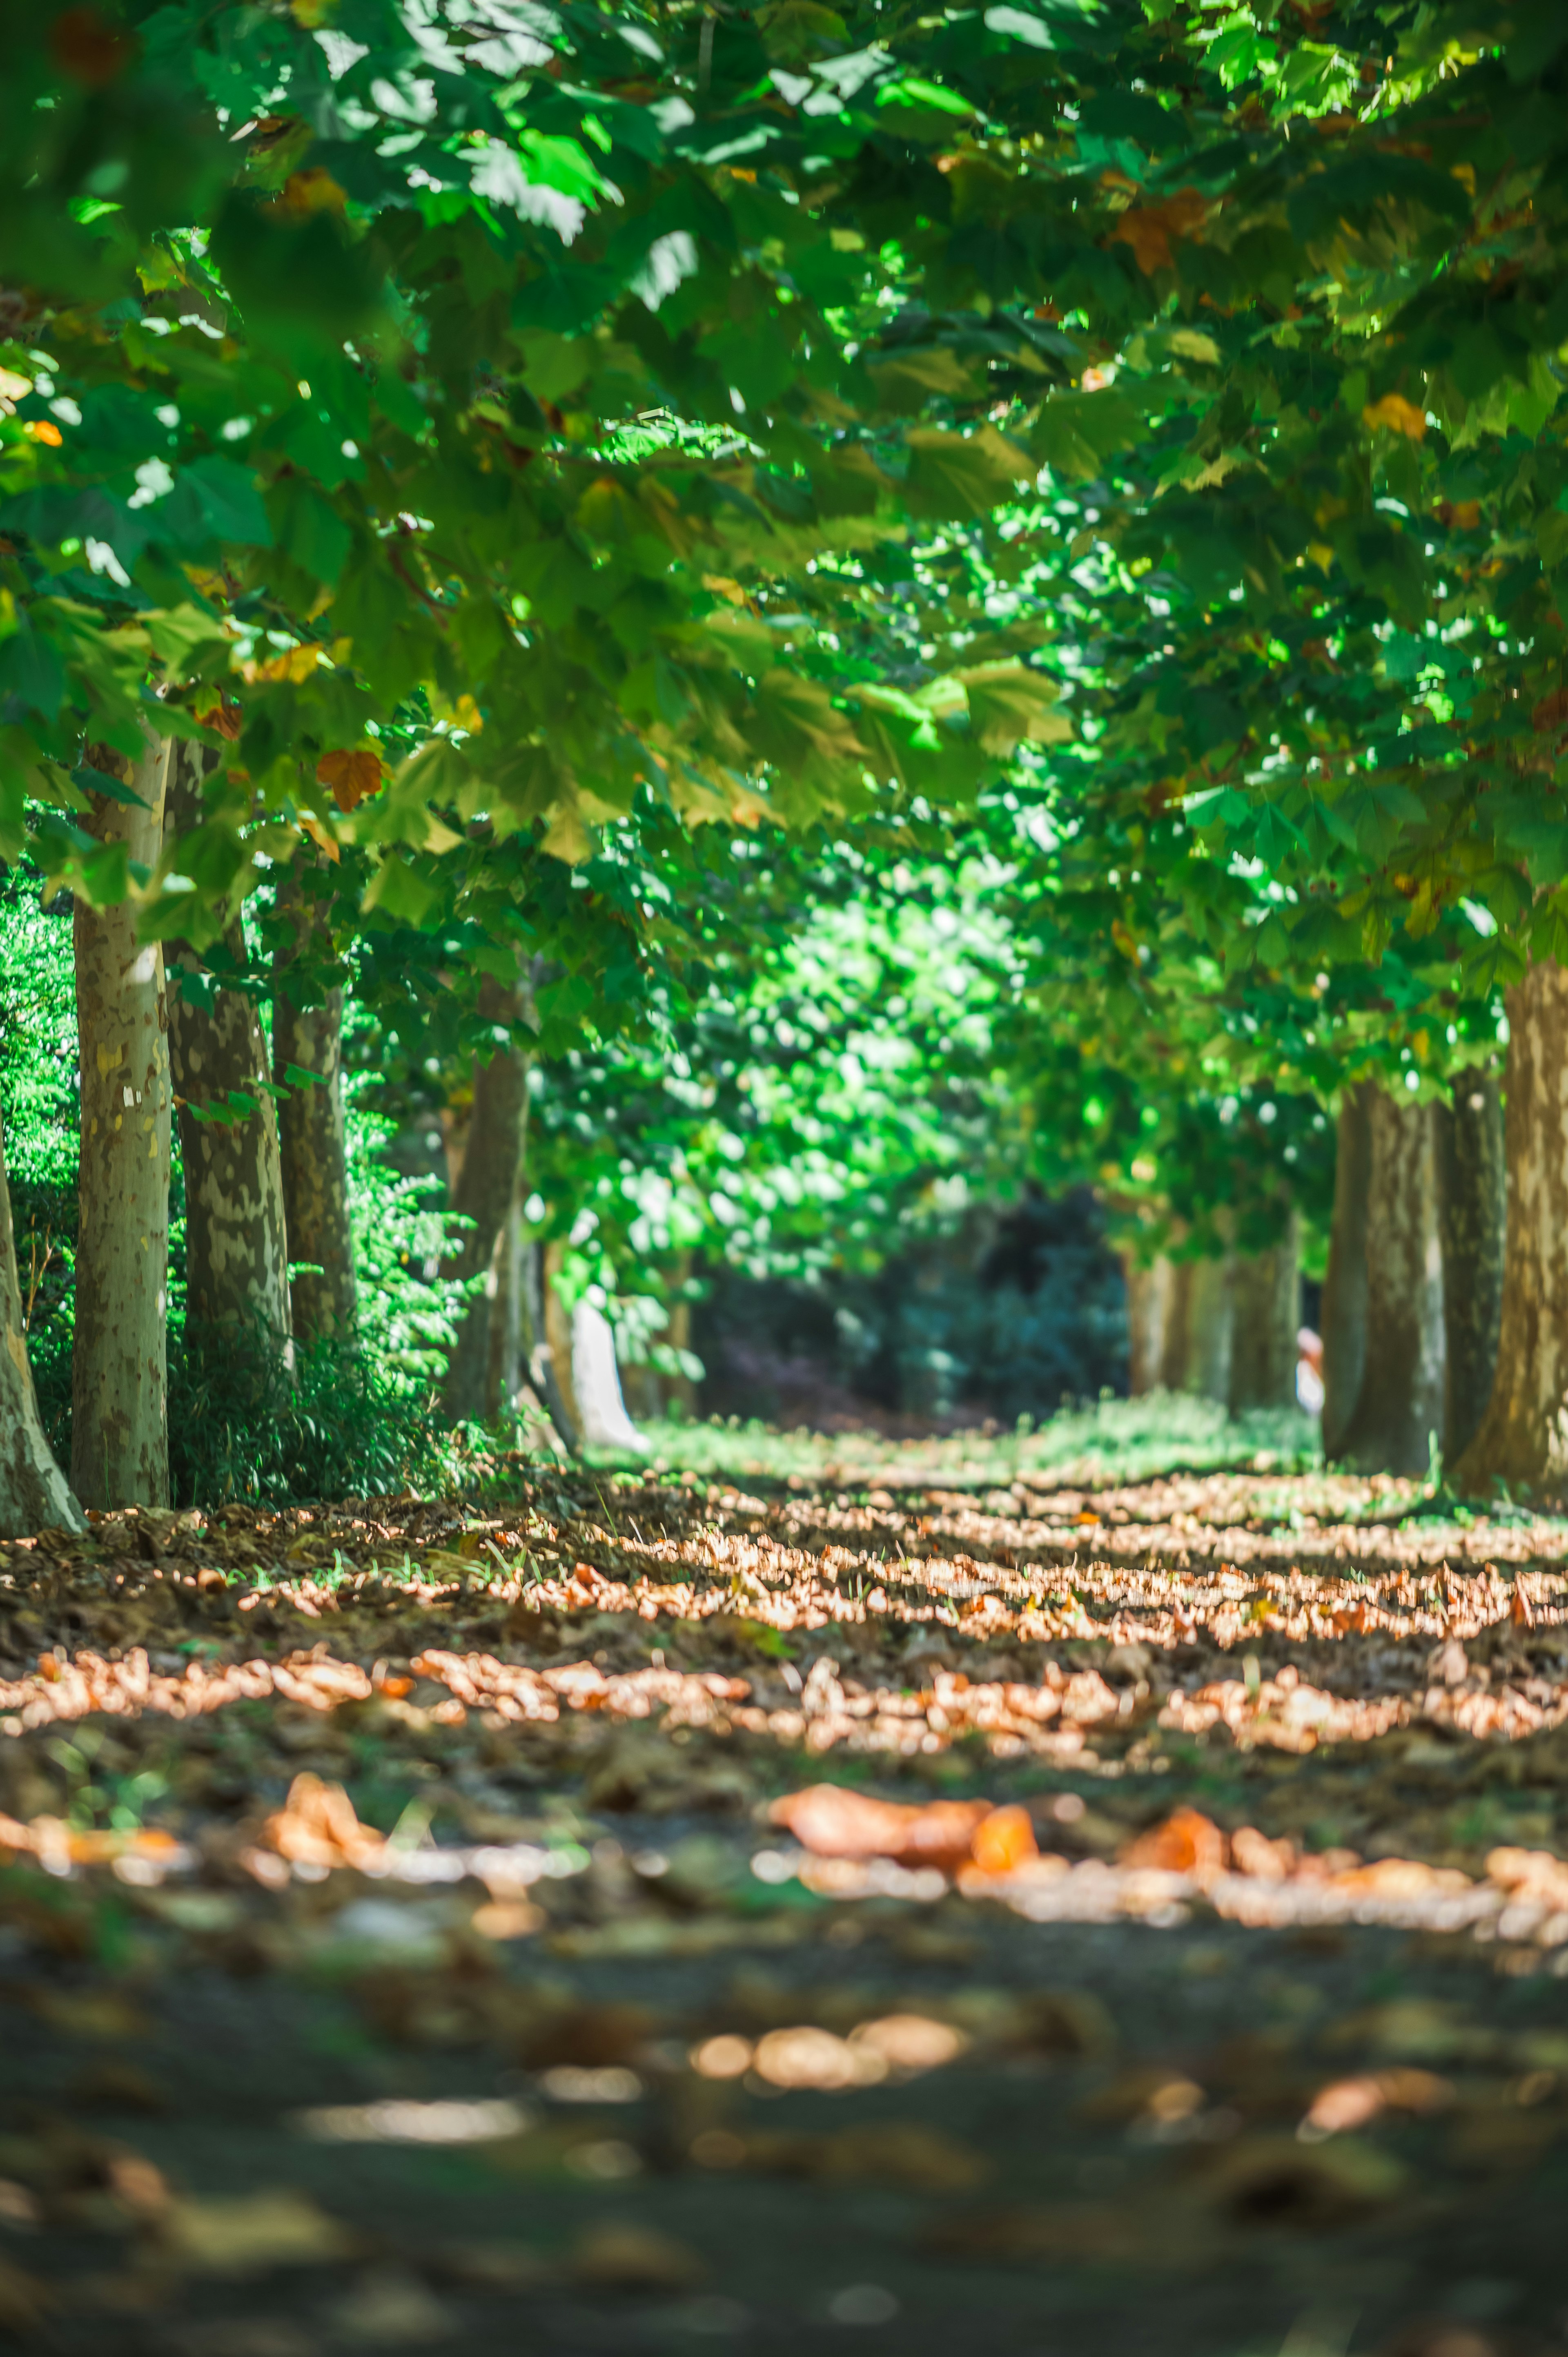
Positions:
(352, 777)
(87, 49)
(1149, 229)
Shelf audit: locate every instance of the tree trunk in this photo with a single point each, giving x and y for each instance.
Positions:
(1207, 1371)
(1149, 1301)
(1523, 1435)
(557, 1366)
(1265, 1320)
(235, 1241)
(119, 1449)
(310, 1142)
(1472, 1211)
(486, 1191)
(535, 1293)
(1344, 1311)
(1400, 1405)
(1176, 1337)
(34, 1493)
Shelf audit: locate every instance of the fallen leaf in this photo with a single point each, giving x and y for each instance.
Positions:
(25, 2302)
(317, 1826)
(627, 2257)
(834, 1822)
(908, 2154)
(1004, 1841)
(248, 2233)
(1276, 2181)
(1187, 1843)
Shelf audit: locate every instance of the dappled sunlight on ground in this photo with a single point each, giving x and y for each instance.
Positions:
(1083, 1889)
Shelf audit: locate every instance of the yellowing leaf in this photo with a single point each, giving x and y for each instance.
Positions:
(321, 837)
(312, 190)
(1400, 417)
(566, 838)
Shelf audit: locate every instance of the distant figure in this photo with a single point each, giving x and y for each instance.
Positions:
(1309, 1369)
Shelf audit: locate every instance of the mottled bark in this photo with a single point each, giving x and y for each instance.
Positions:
(119, 1454)
(1344, 1311)
(1472, 1211)
(1149, 1294)
(1523, 1436)
(1398, 1408)
(486, 1193)
(33, 1493)
(1265, 1293)
(235, 1241)
(310, 1142)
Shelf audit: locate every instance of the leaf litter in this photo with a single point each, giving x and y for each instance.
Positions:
(705, 1914)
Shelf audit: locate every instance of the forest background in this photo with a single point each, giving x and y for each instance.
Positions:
(752, 634)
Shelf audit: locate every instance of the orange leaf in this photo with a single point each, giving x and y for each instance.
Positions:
(1004, 1840)
(317, 1826)
(1187, 1843)
(220, 714)
(42, 430)
(835, 1822)
(325, 842)
(314, 190)
(1149, 229)
(352, 777)
(1400, 415)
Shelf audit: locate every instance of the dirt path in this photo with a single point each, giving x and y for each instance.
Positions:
(652, 1917)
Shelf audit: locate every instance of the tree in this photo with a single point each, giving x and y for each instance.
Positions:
(33, 1493)
(1521, 1437)
(485, 1191)
(236, 1245)
(307, 1062)
(119, 1450)
(1472, 1211)
(1398, 1413)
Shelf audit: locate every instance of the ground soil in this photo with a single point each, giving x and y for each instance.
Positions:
(609, 1914)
